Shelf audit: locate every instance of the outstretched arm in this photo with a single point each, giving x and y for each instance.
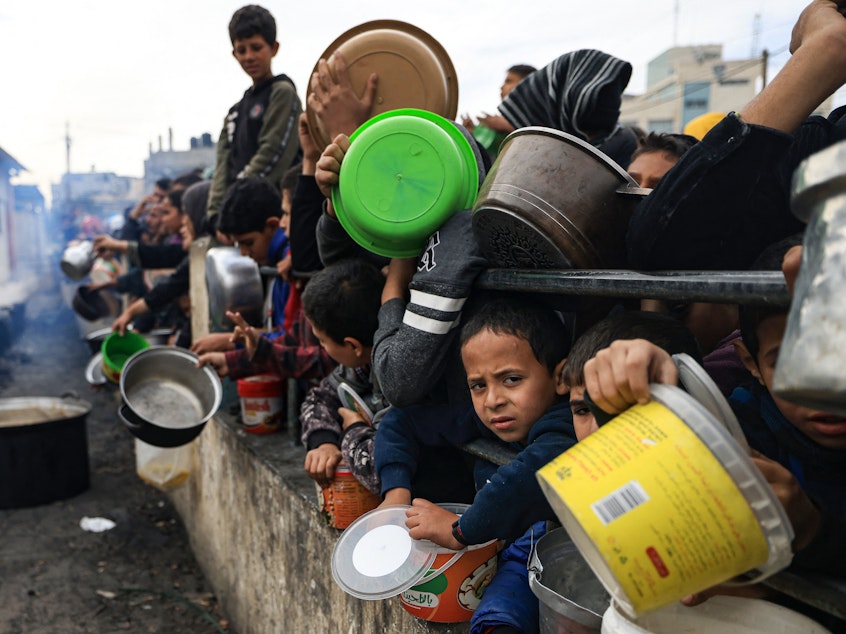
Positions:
(816, 69)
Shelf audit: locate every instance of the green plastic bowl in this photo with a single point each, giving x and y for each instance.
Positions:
(116, 351)
(406, 172)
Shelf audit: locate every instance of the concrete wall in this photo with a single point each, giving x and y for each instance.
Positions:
(252, 518)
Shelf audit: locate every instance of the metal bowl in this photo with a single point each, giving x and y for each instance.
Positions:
(234, 284)
(94, 304)
(167, 398)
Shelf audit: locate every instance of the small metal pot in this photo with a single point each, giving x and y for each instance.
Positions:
(94, 304)
(78, 259)
(234, 284)
(167, 398)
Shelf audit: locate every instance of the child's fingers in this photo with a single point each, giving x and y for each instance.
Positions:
(237, 319)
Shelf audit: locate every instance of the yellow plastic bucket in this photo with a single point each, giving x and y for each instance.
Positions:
(662, 502)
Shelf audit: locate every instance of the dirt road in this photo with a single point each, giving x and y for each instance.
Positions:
(139, 576)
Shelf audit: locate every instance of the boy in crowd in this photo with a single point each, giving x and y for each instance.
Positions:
(492, 128)
(342, 304)
(661, 330)
(259, 136)
(655, 154)
(251, 217)
(253, 221)
(513, 352)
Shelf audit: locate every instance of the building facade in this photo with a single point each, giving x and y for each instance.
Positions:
(9, 168)
(171, 163)
(688, 81)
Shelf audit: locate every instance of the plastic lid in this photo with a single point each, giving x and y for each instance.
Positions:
(700, 386)
(351, 400)
(405, 173)
(375, 557)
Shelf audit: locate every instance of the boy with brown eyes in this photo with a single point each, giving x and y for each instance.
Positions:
(259, 136)
(663, 331)
(512, 351)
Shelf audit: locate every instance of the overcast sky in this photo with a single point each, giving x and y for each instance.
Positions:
(121, 73)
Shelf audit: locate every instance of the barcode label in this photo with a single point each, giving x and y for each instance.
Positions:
(619, 502)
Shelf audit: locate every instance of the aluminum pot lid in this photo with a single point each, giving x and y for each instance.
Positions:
(94, 370)
(414, 70)
(700, 386)
(375, 557)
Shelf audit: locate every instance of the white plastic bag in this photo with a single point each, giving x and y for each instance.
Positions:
(163, 467)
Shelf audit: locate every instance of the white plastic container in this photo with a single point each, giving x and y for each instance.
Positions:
(718, 614)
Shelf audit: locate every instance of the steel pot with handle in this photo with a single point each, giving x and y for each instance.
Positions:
(234, 284)
(553, 201)
(167, 399)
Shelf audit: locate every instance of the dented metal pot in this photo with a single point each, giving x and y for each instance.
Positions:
(810, 369)
(553, 201)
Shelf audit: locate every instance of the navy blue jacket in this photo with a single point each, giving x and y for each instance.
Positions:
(509, 498)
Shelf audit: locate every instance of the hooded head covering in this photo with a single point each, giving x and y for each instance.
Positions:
(194, 203)
(577, 93)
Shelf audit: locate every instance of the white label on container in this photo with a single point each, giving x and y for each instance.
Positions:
(381, 551)
(619, 502)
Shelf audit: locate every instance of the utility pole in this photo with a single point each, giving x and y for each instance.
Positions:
(756, 35)
(764, 57)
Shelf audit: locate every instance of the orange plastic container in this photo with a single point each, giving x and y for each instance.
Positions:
(262, 403)
(453, 587)
(346, 499)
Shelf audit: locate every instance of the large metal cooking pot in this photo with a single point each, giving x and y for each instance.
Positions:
(234, 284)
(553, 201)
(167, 398)
(43, 450)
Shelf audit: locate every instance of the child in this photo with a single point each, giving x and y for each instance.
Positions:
(513, 351)
(663, 331)
(259, 136)
(493, 129)
(655, 154)
(250, 216)
(342, 304)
